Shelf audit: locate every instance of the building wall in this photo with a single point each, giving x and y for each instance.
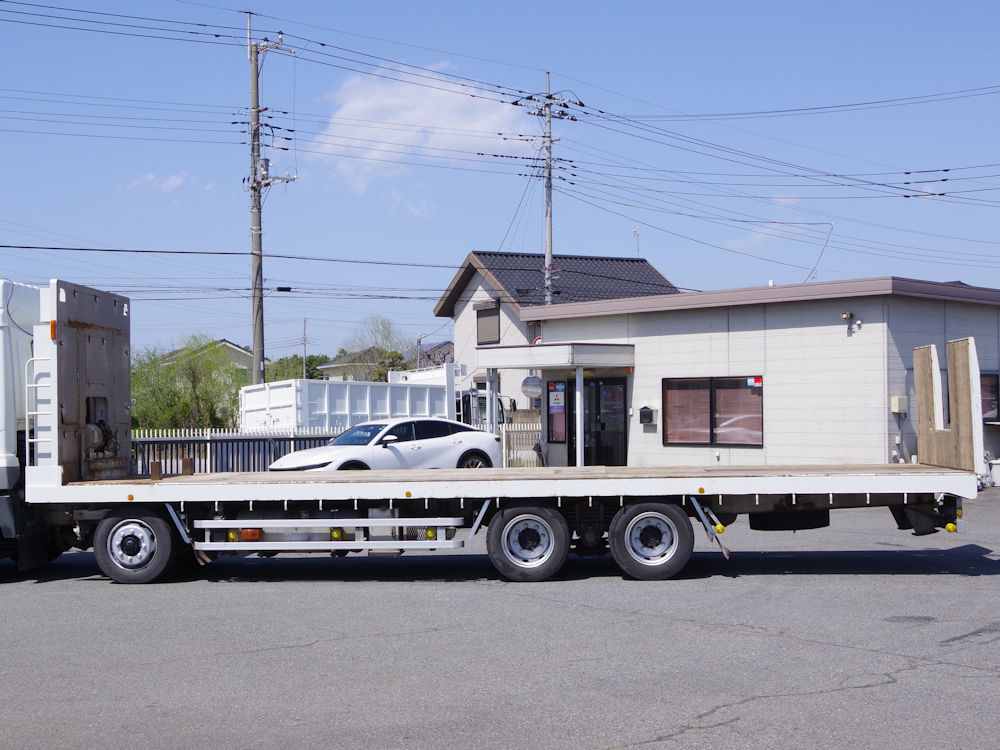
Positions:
(824, 397)
(828, 382)
(913, 323)
(513, 332)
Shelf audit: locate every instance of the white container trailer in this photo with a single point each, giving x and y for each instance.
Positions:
(75, 488)
(336, 405)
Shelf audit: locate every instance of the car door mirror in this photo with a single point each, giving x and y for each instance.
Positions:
(388, 440)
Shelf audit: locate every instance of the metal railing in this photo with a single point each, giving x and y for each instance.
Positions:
(217, 450)
(229, 450)
(519, 443)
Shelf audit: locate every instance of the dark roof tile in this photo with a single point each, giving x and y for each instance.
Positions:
(576, 278)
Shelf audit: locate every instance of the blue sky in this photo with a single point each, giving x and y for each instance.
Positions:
(728, 143)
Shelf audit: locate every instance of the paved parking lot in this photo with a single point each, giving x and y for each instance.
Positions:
(857, 636)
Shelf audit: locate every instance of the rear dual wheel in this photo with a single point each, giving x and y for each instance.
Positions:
(528, 543)
(651, 541)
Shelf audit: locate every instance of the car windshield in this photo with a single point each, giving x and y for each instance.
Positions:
(362, 434)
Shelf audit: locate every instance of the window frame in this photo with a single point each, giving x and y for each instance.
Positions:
(713, 385)
(995, 379)
(488, 315)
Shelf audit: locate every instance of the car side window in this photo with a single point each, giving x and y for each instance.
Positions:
(461, 428)
(403, 432)
(428, 429)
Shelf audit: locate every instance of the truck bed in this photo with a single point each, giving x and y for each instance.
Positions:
(555, 482)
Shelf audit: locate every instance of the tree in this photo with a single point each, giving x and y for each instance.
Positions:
(388, 361)
(289, 368)
(196, 386)
(373, 349)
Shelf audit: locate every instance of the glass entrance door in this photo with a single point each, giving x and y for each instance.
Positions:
(604, 423)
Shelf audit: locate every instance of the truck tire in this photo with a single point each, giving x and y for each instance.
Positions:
(528, 543)
(474, 460)
(134, 545)
(651, 541)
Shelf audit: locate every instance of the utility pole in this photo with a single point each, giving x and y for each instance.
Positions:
(545, 110)
(258, 180)
(304, 375)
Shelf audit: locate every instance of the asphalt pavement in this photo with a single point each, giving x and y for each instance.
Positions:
(854, 636)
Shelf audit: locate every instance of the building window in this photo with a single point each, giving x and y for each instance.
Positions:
(488, 325)
(713, 411)
(990, 390)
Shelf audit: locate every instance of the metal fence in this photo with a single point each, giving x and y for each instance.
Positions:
(519, 443)
(217, 450)
(223, 450)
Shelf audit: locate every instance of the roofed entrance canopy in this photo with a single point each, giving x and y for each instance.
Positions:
(576, 356)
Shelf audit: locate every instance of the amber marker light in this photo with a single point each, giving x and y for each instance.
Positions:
(336, 534)
(232, 535)
(250, 535)
(431, 533)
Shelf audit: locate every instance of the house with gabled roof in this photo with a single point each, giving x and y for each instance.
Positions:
(488, 294)
(815, 373)
(238, 355)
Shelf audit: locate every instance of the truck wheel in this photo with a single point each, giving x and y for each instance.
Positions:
(133, 547)
(651, 541)
(528, 543)
(474, 460)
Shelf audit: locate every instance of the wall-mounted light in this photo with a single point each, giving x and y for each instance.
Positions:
(846, 315)
(853, 324)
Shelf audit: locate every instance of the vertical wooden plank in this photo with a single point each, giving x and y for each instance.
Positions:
(961, 445)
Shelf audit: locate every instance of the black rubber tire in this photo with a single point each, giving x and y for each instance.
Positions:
(475, 460)
(528, 543)
(134, 545)
(651, 541)
(354, 466)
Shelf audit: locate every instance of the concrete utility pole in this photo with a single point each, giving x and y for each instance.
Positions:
(304, 374)
(545, 110)
(258, 180)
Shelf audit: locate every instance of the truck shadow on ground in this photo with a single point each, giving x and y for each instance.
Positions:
(966, 560)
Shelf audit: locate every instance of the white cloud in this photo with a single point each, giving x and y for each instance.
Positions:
(146, 179)
(173, 182)
(164, 184)
(380, 124)
(418, 209)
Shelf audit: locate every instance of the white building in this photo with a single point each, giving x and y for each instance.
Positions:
(800, 374)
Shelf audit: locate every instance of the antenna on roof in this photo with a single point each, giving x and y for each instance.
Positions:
(635, 232)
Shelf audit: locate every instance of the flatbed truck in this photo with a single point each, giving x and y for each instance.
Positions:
(68, 483)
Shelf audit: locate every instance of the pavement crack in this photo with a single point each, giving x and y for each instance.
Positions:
(703, 721)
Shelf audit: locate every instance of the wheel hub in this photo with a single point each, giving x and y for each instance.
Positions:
(527, 541)
(132, 544)
(651, 538)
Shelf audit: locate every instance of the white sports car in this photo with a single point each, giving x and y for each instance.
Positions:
(408, 443)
